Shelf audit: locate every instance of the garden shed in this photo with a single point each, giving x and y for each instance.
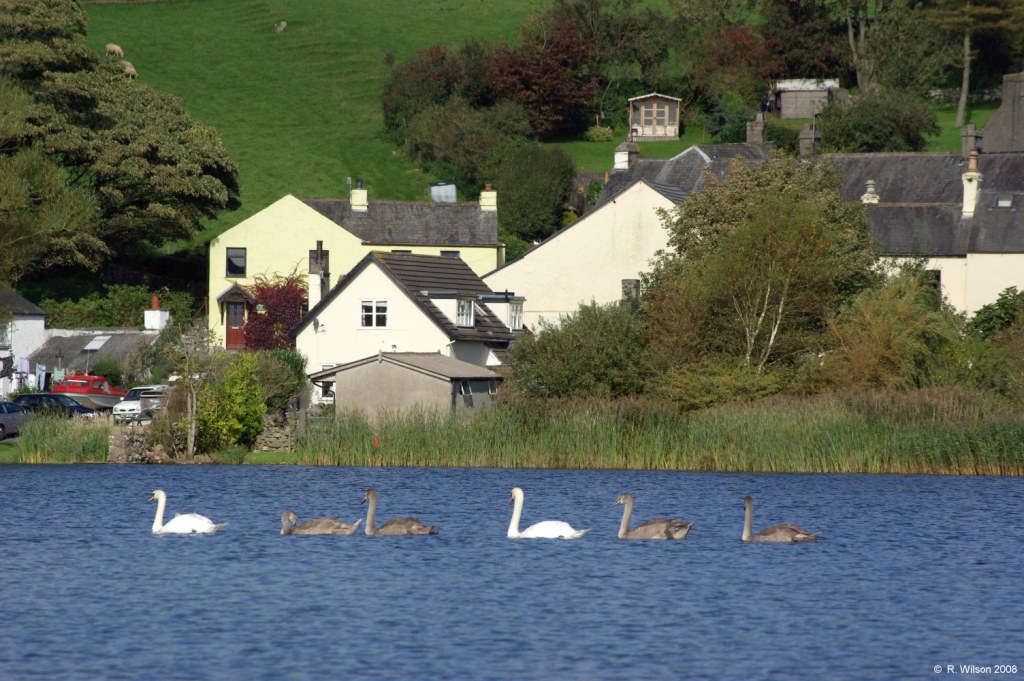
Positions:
(400, 381)
(802, 97)
(653, 117)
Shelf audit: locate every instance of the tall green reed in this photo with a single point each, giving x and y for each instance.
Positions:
(56, 439)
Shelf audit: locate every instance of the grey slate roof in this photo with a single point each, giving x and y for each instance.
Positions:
(921, 201)
(11, 301)
(422, 277)
(683, 174)
(432, 363)
(67, 351)
(413, 222)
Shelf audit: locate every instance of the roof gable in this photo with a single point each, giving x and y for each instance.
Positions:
(13, 302)
(430, 363)
(419, 277)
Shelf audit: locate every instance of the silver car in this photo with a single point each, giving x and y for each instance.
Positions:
(12, 418)
(139, 404)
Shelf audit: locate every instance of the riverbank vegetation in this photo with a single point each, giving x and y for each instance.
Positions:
(57, 439)
(941, 430)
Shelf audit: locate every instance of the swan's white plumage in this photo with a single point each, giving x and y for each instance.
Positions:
(185, 523)
(546, 529)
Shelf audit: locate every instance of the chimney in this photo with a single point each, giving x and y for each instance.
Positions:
(318, 282)
(810, 140)
(755, 130)
(626, 155)
(970, 138)
(869, 196)
(155, 319)
(358, 199)
(488, 200)
(972, 184)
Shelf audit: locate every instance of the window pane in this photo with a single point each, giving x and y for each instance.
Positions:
(236, 262)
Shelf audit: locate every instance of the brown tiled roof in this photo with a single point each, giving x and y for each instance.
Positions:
(423, 277)
(413, 222)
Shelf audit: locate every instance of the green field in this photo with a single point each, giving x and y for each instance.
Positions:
(299, 111)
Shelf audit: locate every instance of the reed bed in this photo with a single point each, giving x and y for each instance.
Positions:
(56, 439)
(940, 431)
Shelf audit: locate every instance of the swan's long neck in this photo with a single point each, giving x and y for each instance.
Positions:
(627, 512)
(158, 520)
(517, 511)
(748, 520)
(371, 516)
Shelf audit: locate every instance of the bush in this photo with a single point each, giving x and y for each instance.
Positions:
(783, 136)
(109, 368)
(594, 352)
(599, 133)
(231, 409)
(717, 380)
(121, 306)
(534, 184)
(887, 120)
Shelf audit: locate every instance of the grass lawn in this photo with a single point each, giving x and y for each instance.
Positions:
(299, 111)
(948, 138)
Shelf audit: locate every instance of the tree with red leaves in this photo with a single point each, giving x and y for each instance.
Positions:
(279, 301)
(551, 76)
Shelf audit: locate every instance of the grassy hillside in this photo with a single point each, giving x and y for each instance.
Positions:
(299, 111)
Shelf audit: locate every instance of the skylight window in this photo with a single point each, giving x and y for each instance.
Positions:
(1003, 201)
(96, 343)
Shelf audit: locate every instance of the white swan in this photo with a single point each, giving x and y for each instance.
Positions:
(393, 527)
(779, 534)
(546, 529)
(657, 528)
(189, 523)
(290, 525)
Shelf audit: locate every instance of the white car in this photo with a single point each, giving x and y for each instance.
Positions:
(140, 403)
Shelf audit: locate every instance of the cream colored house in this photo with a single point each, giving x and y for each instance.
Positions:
(288, 235)
(963, 216)
(600, 257)
(402, 303)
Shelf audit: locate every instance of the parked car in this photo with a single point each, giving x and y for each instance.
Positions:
(12, 418)
(53, 403)
(140, 403)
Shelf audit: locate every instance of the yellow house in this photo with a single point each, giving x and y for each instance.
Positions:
(318, 236)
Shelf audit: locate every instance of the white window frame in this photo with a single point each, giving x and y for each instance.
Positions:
(322, 395)
(515, 316)
(378, 307)
(464, 312)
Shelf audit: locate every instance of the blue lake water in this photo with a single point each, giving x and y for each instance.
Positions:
(911, 572)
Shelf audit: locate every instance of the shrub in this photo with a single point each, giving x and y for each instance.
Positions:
(120, 306)
(109, 368)
(599, 133)
(534, 184)
(725, 118)
(783, 136)
(231, 409)
(594, 352)
(886, 120)
(717, 380)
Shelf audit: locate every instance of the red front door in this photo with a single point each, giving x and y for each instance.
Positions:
(235, 321)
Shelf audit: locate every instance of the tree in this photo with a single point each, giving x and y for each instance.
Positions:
(757, 263)
(550, 75)
(594, 352)
(193, 355)
(281, 298)
(154, 172)
(430, 78)
(42, 220)
(965, 19)
(891, 336)
(534, 184)
(1000, 315)
(882, 120)
(802, 38)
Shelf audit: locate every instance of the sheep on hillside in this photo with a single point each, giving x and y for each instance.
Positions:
(114, 50)
(281, 25)
(130, 72)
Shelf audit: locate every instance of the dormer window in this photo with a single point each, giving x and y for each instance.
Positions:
(464, 312)
(515, 316)
(1003, 201)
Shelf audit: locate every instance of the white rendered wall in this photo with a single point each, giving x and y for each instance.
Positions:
(588, 260)
(989, 274)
